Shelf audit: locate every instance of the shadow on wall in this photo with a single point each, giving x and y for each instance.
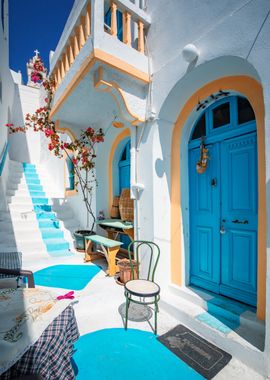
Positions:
(18, 150)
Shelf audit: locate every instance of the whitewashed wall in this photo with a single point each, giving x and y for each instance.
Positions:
(226, 35)
(6, 99)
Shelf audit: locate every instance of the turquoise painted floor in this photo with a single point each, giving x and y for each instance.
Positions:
(133, 354)
(73, 277)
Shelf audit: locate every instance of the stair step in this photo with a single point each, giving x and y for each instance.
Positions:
(37, 193)
(35, 187)
(46, 215)
(40, 201)
(33, 181)
(56, 244)
(51, 233)
(60, 253)
(48, 223)
(230, 341)
(28, 165)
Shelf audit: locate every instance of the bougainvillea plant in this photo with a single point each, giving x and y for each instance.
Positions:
(80, 151)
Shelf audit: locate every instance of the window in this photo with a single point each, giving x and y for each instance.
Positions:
(245, 111)
(221, 115)
(200, 128)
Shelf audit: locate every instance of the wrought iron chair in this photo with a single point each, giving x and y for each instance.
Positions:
(143, 291)
(10, 268)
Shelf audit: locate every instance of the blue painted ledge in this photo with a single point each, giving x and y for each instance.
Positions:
(3, 158)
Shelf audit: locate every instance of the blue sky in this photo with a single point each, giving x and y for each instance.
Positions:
(35, 25)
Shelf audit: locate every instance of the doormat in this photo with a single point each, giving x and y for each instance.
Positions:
(199, 354)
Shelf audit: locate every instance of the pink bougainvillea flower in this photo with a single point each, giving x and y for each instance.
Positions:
(48, 132)
(9, 125)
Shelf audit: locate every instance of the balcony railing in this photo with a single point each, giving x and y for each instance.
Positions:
(76, 41)
(123, 19)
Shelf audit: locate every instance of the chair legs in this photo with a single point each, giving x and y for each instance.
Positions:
(127, 306)
(155, 313)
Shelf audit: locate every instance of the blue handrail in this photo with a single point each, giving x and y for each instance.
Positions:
(3, 157)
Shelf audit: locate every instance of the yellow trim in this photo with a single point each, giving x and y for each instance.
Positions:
(120, 65)
(118, 95)
(68, 193)
(250, 88)
(97, 56)
(125, 133)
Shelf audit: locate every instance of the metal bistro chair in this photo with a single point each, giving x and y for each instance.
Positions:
(139, 290)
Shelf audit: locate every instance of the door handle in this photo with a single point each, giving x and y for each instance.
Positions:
(236, 221)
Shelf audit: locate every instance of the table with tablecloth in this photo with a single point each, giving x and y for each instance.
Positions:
(50, 354)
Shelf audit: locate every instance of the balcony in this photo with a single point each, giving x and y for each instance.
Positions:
(104, 43)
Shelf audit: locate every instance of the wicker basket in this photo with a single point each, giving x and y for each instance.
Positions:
(126, 206)
(115, 213)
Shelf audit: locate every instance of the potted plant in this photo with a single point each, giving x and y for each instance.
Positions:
(127, 271)
(80, 151)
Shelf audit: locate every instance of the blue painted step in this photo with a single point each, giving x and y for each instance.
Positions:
(37, 193)
(42, 207)
(45, 215)
(51, 233)
(48, 223)
(60, 253)
(226, 309)
(40, 201)
(32, 181)
(56, 244)
(34, 187)
(26, 165)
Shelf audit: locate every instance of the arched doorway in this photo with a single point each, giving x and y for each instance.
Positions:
(223, 200)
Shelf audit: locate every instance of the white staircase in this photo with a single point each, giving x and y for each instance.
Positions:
(20, 229)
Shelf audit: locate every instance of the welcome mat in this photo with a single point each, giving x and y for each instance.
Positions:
(199, 354)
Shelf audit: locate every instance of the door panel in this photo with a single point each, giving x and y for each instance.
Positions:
(204, 221)
(239, 218)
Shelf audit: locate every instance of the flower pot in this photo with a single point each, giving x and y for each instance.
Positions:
(79, 238)
(126, 271)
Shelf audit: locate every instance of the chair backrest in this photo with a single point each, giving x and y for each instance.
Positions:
(10, 260)
(149, 251)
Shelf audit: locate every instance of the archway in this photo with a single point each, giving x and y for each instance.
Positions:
(252, 90)
(223, 205)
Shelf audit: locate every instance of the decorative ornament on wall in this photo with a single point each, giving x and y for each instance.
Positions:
(213, 97)
(201, 165)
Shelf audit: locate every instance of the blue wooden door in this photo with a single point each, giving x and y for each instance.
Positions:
(124, 182)
(204, 219)
(124, 168)
(223, 219)
(239, 218)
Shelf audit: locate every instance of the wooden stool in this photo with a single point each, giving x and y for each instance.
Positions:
(109, 248)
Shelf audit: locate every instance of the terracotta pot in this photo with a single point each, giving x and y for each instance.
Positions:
(126, 271)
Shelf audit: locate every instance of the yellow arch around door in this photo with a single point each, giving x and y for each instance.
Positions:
(253, 91)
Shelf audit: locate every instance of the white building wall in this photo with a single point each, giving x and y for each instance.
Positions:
(233, 39)
(6, 98)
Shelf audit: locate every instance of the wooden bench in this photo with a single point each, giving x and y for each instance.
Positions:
(109, 248)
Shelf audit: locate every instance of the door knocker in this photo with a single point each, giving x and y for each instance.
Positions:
(201, 165)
